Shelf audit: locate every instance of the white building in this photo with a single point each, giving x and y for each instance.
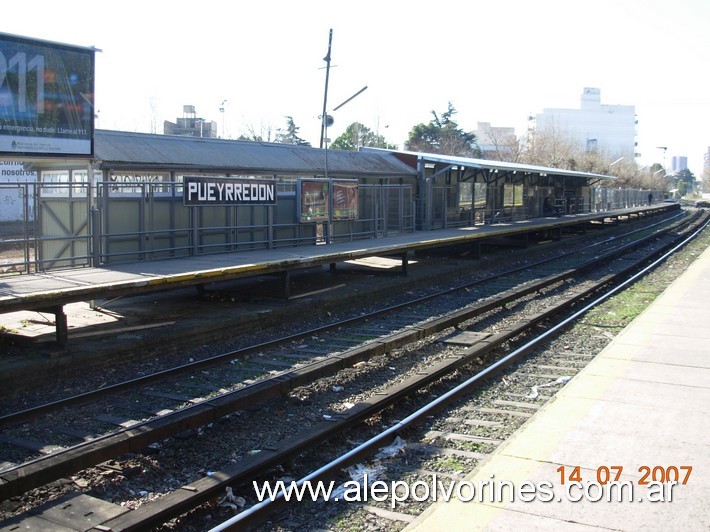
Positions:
(609, 129)
(495, 142)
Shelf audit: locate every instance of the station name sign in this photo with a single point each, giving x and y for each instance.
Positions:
(203, 191)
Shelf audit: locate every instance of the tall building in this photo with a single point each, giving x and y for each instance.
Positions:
(190, 125)
(678, 164)
(609, 129)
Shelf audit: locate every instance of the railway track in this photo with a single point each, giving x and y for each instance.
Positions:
(362, 341)
(479, 413)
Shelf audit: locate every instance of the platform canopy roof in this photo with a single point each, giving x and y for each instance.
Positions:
(123, 150)
(485, 164)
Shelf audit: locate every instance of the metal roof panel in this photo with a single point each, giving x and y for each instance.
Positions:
(118, 148)
(496, 165)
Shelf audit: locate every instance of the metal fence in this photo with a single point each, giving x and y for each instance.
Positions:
(449, 206)
(65, 225)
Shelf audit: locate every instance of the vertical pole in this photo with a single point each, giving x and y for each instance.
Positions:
(270, 227)
(286, 279)
(195, 231)
(26, 219)
(324, 116)
(94, 252)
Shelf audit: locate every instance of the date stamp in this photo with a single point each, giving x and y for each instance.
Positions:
(606, 482)
(646, 474)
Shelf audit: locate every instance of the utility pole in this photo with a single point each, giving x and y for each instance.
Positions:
(324, 116)
(664, 149)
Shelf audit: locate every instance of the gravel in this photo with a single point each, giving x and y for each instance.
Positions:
(136, 479)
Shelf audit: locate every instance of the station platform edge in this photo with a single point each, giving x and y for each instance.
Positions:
(640, 408)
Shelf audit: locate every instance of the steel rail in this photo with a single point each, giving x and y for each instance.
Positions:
(85, 397)
(198, 492)
(257, 513)
(35, 473)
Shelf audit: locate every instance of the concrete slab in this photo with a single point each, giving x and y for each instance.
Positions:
(685, 353)
(636, 392)
(658, 372)
(31, 523)
(561, 511)
(668, 343)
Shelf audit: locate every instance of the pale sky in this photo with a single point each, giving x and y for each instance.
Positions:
(497, 62)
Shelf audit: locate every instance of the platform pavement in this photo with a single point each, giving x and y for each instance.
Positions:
(644, 401)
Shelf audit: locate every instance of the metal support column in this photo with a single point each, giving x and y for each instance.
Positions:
(286, 280)
(475, 249)
(60, 323)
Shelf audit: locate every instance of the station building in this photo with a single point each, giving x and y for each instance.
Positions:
(136, 207)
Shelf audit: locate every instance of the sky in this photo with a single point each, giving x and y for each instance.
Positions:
(496, 62)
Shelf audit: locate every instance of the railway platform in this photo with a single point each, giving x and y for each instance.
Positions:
(600, 454)
(50, 291)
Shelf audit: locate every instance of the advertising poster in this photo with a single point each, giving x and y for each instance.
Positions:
(46, 98)
(345, 200)
(314, 200)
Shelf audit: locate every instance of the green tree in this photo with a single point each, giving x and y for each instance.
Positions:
(686, 176)
(443, 135)
(357, 136)
(685, 182)
(290, 134)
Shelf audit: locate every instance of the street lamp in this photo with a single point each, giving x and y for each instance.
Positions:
(664, 149)
(324, 116)
(202, 123)
(615, 162)
(221, 110)
(328, 121)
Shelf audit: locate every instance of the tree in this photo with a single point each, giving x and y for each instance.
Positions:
(498, 144)
(357, 136)
(686, 181)
(263, 135)
(443, 135)
(553, 148)
(290, 134)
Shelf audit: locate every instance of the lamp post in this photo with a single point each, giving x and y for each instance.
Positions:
(324, 116)
(326, 119)
(615, 162)
(664, 149)
(329, 121)
(221, 110)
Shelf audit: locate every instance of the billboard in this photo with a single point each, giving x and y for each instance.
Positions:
(46, 98)
(325, 200)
